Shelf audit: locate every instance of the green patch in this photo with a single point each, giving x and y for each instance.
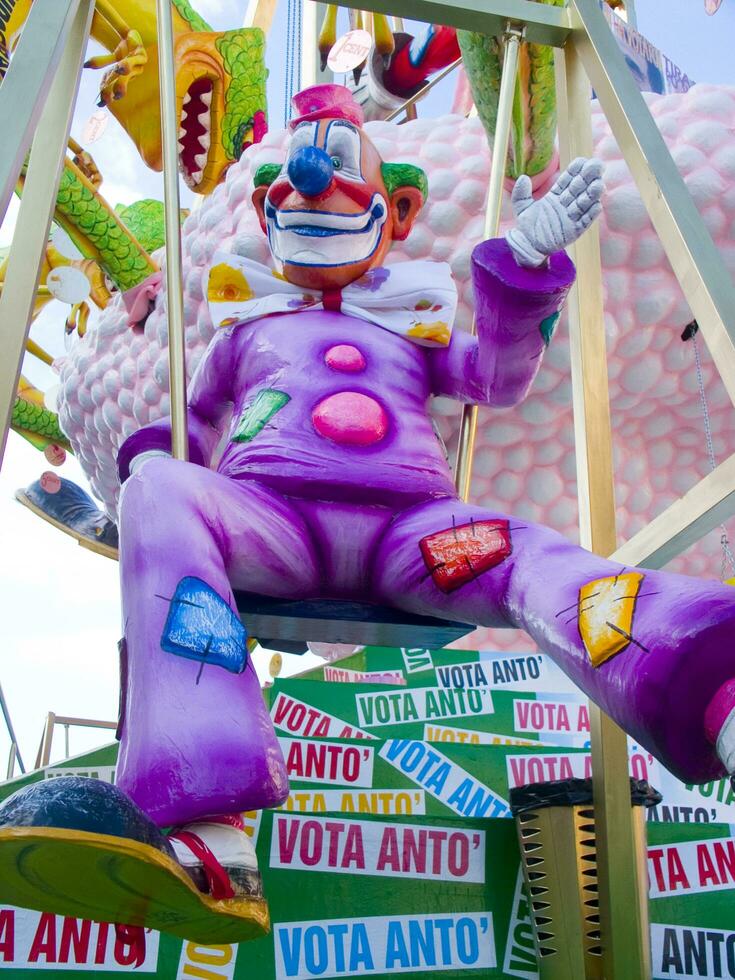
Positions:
(397, 175)
(266, 174)
(192, 18)
(548, 326)
(146, 221)
(243, 55)
(255, 417)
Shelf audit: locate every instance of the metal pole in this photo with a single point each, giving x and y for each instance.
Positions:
(11, 731)
(12, 756)
(36, 208)
(172, 207)
(621, 867)
(468, 424)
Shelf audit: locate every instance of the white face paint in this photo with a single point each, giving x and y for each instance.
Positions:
(327, 238)
(323, 237)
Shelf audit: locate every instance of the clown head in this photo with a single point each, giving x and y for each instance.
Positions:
(333, 209)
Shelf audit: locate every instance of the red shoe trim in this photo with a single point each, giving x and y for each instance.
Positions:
(218, 880)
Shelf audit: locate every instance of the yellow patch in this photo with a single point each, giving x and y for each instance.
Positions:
(606, 607)
(438, 332)
(228, 285)
(278, 275)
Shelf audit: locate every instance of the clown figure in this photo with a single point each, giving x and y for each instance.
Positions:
(332, 483)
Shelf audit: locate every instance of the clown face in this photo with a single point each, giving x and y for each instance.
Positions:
(328, 215)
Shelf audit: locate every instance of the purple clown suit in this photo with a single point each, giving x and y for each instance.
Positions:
(332, 483)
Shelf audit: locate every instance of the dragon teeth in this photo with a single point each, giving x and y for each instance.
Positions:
(187, 99)
(200, 160)
(206, 97)
(197, 177)
(205, 141)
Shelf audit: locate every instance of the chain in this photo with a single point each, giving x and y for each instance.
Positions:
(294, 16)
(727, 555)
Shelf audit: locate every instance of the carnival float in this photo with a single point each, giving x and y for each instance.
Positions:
(437, 395)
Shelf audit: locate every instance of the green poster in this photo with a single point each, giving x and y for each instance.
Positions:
(478, 715)
(691, 870)
(348, 896)
(421, 667)
(412, 776)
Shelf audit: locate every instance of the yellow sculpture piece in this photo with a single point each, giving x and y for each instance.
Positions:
(606, 607)
(220, 82)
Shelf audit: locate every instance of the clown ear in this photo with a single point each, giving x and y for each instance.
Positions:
(405, 204)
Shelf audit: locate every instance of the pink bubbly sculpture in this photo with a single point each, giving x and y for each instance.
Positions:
(315, 472)
(116, 379)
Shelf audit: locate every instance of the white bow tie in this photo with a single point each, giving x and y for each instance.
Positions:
(417, 300)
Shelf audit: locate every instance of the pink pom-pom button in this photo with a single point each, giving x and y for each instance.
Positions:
(350, 419)
(345, 357)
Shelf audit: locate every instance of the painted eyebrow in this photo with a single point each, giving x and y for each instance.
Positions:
(343, 122)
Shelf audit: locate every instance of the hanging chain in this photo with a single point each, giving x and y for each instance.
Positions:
(727, 555)
(294, 16)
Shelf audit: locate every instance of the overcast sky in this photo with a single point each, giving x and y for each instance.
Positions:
(59, 604)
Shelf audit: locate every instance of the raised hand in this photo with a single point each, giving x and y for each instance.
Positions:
(559, 217)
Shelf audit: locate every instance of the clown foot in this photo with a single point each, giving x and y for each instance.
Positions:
(315, 472)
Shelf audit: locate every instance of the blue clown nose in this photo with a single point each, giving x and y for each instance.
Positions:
(310, 171)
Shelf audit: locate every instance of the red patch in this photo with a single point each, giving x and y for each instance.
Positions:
(460, 554)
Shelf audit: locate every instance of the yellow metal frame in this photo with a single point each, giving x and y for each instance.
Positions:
(39, 92)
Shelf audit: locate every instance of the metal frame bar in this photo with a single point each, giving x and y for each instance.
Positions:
(43, 756)
(172, 208)
(14, 750)
(623, 893)
(696, 262)
(410, 103)
(25, 87)
(39, 196)
(311, 70)
(260, 13)
(701, 509)
(544, 24)
(470, 413)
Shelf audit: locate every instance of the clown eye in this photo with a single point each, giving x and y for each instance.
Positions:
(342, 145)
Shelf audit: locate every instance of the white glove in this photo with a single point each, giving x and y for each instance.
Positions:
(559, 217)
(141, 458)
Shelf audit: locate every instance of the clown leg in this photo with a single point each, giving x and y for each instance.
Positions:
(196, 738)
(654, 650)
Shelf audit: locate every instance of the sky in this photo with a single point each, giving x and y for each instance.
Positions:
(59, 604)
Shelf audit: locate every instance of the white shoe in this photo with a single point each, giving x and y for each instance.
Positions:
(219, 858)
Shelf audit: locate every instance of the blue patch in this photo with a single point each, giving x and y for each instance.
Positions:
(548, 326)
(201, 626)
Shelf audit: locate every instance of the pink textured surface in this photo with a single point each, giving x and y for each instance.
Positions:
(116, 379)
